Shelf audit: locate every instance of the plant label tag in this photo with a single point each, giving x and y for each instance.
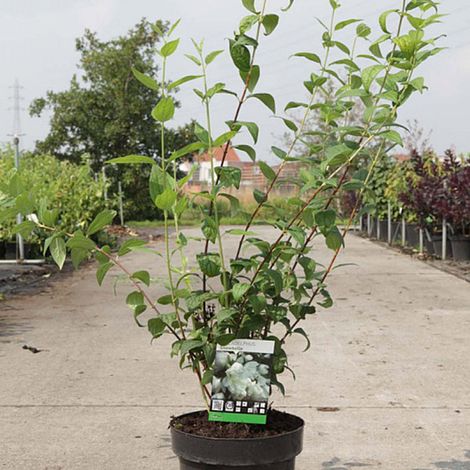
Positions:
(241, 384)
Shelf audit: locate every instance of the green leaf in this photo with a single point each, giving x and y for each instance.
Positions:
(103, 219)
(207, 377)
(58, 251)
(165, 299)
(173, 27)
(24, 229)
(130, 245)
(290, 124)
(165, 200)
(239, 290)
(102, 271)
(190, 344)
(250, 151)
(209, 229)
(135, 299)
(194, 59)
(241, 56)
(217, 88)
(393, 136)
(260, 196)
(295, 104)
(337, 154)
(157, 182)
(363, 30)
(182, 80)
(80, 241)
(229, 176)
(156, 327)
(225, 314)
(209, 264)
(142, 276)
(249, 5)
(145, 79)
(266, 99)
(418, 84)
(225, 137)
(252, 127)
(254, 77)
(383, 20)
(310, 56)
(187, 149)
(169, 48)
(279, 152)
(270, 23)
(165, 109)
(247, 23)
(212, 56)
(302, 332)
(342, 24)
(369, 74)
(78, 255)
(132, 160)
(288, 5)
(326, 218)
(267, 171)
(334, 239)
(240, 232)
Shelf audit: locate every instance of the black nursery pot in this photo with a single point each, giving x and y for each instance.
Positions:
(383, 230)
(396, 231)
(460, 247)
(437, 244)
(412, 235)
(265, 453)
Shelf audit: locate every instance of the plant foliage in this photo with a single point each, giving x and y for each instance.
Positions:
(267, 288)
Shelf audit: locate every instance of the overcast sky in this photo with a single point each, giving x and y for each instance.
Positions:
(37, 47)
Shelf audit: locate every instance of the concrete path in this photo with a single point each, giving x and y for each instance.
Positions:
(392, 357)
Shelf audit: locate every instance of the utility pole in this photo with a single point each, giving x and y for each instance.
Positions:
(16, 134)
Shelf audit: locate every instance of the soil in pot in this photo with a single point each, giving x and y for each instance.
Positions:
(201, 444)
(460, 247)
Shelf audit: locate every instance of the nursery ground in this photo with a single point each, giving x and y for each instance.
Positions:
(385, 385)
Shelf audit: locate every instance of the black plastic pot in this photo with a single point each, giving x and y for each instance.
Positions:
(266, 453)
(10, 250)
(383, 236)
(412, 235)
(460, 247)
(396, 231)
(437, 243)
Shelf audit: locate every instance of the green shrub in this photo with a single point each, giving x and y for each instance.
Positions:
(68, 188)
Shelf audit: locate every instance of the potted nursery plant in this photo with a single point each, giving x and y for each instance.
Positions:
(455, 206)
(232, 313)
(424, 183)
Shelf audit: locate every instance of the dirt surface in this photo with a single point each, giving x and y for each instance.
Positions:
(29, 279)
(16, 279)
(199, 425)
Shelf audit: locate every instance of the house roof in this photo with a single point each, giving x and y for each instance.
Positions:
(218, 153)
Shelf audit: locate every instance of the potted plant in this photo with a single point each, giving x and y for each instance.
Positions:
(422, 193)
(454, 207)
(258, 295)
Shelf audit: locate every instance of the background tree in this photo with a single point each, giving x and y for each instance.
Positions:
(101, 113)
